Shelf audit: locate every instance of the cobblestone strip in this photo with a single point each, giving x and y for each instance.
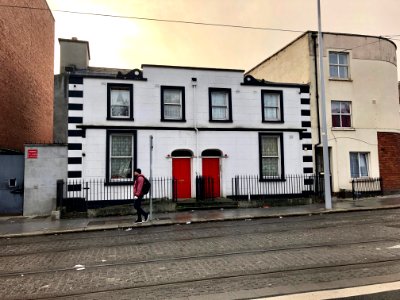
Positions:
(255, 285)
(128, 276)
(170, 249)
(150, 235)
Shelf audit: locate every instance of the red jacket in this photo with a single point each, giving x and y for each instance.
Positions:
(138, 185)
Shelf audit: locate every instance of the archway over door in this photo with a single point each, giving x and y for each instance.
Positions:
(211, 169)
(181, 171)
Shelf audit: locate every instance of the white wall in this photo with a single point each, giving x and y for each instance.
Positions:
(239, 140)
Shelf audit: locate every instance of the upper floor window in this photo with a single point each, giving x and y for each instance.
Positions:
(271, 163)
(119, 101)
(220, 104)
(272, 106)
(359, 164)
(341, 114)
(172, 103)
(339, 65)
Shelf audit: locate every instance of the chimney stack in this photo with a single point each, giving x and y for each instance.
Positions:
(74, 54)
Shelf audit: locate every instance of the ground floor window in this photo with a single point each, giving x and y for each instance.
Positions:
(120, 155)
(271, 160)
(359, 164)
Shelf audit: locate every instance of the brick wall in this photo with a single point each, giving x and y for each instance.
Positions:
(26, 75)
(389, 161)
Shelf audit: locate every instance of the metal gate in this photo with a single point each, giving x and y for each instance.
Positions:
(11, 184)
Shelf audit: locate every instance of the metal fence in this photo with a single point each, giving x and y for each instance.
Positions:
(99, 189)
(289, 185)
(366, 187)
(204, 188)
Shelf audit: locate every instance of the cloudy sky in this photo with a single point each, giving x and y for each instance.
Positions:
(128, 43)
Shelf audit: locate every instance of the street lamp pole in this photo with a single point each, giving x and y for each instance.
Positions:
(324, 133)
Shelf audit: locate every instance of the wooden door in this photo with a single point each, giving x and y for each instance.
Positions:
(211, 169)
(181, 172)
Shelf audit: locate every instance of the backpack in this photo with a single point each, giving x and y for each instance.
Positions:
(146, 186)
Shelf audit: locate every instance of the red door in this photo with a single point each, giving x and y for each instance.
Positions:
(181, 172)
(211, 169)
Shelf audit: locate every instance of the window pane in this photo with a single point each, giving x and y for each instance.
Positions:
(172, 96)
(120, 102)
(345, 107)
(270, 166)
(335, 121)
(343, 72)
(335, 107)
(120, 111)
(332, 58)
(343, 58)
(354, 167)
(219, 113)
(120, 97)
(363, 164)
(269, 146)
(172, 112)
(219, 98)
(333, 71)
(271, 113)
(271, 100)
(346, 121)
(121, 168)
(121, 145)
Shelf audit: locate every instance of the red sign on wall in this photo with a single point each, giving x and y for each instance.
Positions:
(33, 153)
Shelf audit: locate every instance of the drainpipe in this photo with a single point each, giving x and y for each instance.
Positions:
(314, 38)
(194, 84)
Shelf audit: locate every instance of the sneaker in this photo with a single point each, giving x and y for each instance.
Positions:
(147, 217)
(138, 221)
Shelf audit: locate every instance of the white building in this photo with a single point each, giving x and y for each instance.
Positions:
(211, 122)
(362, 106)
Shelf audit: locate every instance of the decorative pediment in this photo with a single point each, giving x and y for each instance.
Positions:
(135, 74)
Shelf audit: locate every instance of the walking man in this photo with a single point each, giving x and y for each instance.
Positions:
(138, 196)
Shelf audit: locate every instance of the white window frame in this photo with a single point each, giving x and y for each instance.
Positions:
(111, 106)
(279, 156)
(359, 168)
(227, 105)
(111, 86)
(278, 108)
(181, 103)
(131, 156)
(337, 65)
(340, 114)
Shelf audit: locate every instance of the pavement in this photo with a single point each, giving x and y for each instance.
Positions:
(18, 226)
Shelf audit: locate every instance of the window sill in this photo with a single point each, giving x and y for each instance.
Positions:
(271, 121)
(343, 129)
(168, 120)
(120, 119)
(360, 179)
(220, 121)
(272, 179)
(111, 183)
(340, 79)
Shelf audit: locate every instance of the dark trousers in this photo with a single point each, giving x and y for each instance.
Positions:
(137, 204)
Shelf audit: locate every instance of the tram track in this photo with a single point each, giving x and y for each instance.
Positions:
(203, 256)
(197, 282)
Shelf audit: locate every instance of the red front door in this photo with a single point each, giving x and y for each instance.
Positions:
(181, 172)
(211, 169)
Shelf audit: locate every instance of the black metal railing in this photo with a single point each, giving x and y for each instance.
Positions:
(204, 188)
(100, 189)
(366, 187)
(290, 185)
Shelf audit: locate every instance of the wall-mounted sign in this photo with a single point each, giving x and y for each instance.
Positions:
(32, 153)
